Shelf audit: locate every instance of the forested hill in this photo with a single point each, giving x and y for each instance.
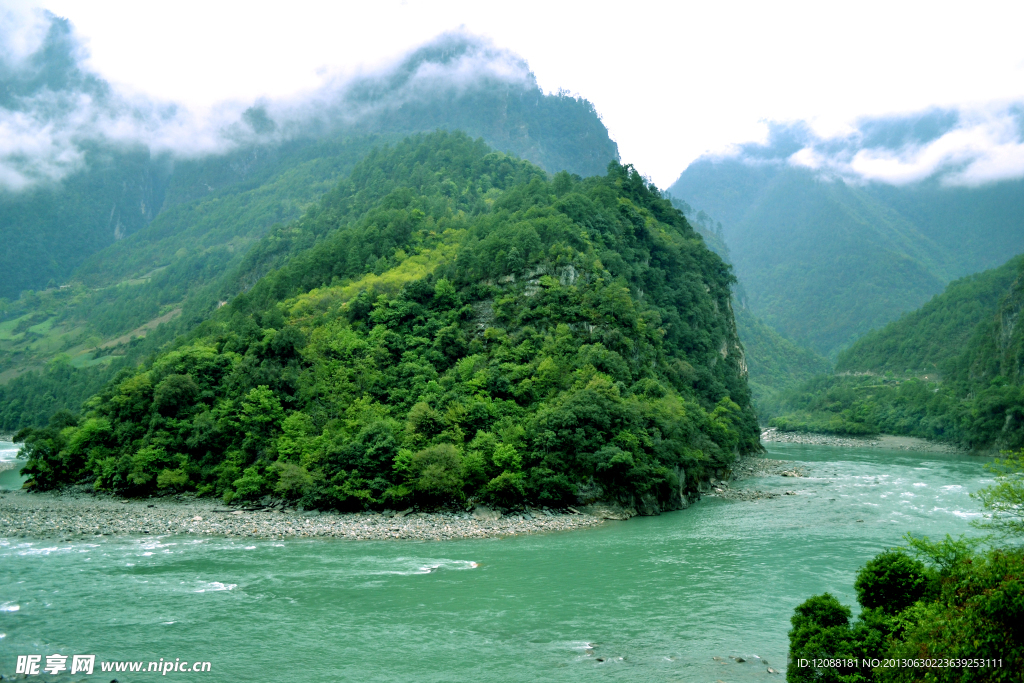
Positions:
(775, 364)
(447, 324)
(951, 370)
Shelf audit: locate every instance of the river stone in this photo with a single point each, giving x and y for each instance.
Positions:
(609, 511)
(483, 513)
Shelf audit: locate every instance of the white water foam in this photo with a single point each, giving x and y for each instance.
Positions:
(214, 586)
(9, 607)
(8, 451)
(409, 566)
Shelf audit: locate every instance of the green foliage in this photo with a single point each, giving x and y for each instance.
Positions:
(437, 471)
(927, 339)
(963, 604)
(821, 630)
(448, 324)
(144, 249)
(775, 364)
(27, 400)
(172, 479)
(49, 230)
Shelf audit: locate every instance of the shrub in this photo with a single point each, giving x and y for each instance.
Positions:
(506, 489)
(174, 393)
(438, 471)
(251, 485)
(172, 479)
(292, 480)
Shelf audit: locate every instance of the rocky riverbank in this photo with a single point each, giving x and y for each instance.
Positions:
(754, 467)
(63, 516)
(67, 516)
(886, 441)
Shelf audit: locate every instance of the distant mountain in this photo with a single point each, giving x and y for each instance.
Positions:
(825, 260)
(447, 324)
(132, 246)
(952, 370)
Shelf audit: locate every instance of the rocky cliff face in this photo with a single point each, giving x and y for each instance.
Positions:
(1011, 332)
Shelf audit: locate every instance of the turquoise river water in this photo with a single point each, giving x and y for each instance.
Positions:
(655, 598)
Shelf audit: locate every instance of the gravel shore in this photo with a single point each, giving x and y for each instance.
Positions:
(887, 441)
(68, 516)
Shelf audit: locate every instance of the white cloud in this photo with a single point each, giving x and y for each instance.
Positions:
(985, 145)
(23, 28)
(672, 81)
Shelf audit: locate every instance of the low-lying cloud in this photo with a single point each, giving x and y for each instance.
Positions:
(52, 109)
(966, 147)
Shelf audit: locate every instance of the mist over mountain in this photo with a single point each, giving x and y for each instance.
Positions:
(83, 166)
(836, 237)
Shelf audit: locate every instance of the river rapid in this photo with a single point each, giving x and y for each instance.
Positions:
(649, 599)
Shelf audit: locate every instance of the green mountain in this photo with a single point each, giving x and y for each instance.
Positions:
(447, 323)
(826, 261)
(951, 370)
(47, 227)
(128, 287)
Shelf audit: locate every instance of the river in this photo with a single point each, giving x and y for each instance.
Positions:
(651, 599)
(10, 466)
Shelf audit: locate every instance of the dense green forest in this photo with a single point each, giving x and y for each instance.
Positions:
(926, 340)
(134, 276)
(447, 323)
(775, 364)
(825, 261)
(950, 371)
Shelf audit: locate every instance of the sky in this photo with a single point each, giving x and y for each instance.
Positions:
(671, 81)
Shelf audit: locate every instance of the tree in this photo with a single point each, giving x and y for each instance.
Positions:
(891, 582)
(1005, 499)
